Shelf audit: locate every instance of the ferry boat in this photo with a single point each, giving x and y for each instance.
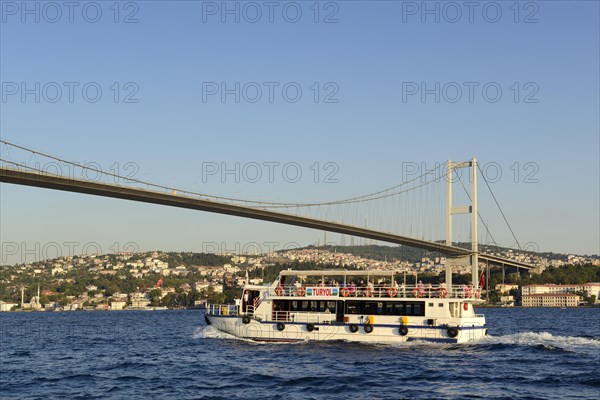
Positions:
(361, 306)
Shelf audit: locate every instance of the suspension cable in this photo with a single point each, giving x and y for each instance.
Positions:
(500, 208)
(261, 204)
(478, 213)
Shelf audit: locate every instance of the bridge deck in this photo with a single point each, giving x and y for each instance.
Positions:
(57, 182)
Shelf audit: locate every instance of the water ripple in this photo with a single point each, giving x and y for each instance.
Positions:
(172, 354)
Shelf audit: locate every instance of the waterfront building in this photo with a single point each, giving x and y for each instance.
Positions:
(591, 289)
(550, 300)
(117, 305)
(7, 306)
(140, 300)
(505, 287)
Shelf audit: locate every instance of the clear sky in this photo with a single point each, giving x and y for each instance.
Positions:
(187, 85)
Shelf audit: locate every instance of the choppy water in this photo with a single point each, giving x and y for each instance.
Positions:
(532, 354)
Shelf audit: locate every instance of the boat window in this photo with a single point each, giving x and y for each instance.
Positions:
(373, 307)
(280, 305)
(330, 306)
(394, 308)
(415, 308)
(430, 304)
(440, 304)
(353, 307)
(385, 308)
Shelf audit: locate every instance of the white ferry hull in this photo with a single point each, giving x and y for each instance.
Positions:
(381, 333)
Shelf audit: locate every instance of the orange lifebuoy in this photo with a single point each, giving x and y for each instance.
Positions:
(392, 292)
(466, 306)
(345, 292)
(301, 291)
(416, 293)
(279, 291)
(442, 293)
(368, 292)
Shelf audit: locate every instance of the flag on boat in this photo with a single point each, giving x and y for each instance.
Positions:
(482, 279)
(159, 283)
(257, 301)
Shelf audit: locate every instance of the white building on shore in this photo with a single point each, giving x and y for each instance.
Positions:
(591, 289)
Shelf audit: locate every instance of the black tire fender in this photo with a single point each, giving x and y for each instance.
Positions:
(452, 332)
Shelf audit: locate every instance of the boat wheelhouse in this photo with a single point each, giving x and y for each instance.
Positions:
(364, 306)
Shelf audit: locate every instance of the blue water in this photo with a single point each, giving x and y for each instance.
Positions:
(532, 354)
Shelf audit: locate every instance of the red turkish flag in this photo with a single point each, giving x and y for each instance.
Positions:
(159, 283)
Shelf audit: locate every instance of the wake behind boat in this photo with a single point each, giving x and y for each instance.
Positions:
(361, 306)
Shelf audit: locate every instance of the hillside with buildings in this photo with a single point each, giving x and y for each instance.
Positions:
(186, 279)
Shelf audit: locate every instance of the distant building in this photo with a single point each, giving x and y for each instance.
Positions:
(117, 305)
(591, 289)
(507, 300)
(217, 287)
(505, 287)
(550, 300)
(6, 306)
(139, 300)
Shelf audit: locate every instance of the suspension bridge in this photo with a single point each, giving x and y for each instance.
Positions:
(393, 207)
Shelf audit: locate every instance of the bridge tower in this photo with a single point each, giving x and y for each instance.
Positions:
(464, 209)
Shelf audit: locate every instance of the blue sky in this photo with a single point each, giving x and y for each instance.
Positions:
(367, 61)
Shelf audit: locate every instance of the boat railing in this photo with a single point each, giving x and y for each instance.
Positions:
(376, 291)
(222, 309)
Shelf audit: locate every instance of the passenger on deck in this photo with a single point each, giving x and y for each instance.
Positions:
(245, 301)
(352, 288)
(369, 288)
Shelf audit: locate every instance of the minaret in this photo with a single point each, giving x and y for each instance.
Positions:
(22, 296)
